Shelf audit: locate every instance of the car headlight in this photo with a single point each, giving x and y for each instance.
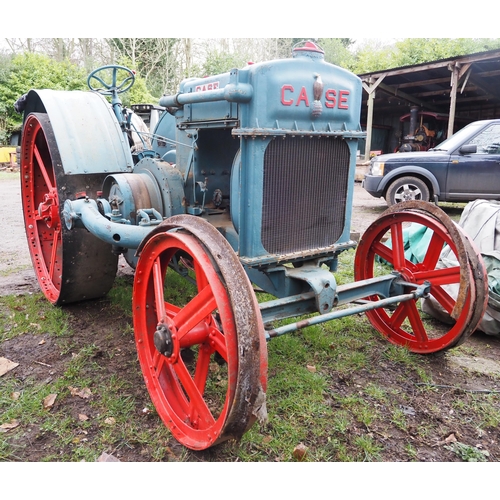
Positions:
(377, 168)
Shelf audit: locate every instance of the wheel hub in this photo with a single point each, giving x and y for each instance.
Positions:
(48, 210)
(163, 340)
(408, 195)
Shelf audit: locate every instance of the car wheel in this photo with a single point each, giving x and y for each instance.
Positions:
(407, 189)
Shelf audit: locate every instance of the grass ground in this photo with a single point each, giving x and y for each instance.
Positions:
(337, 391)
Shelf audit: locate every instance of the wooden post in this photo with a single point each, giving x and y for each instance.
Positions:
(453, 97)
(369, 124)
(370, 88)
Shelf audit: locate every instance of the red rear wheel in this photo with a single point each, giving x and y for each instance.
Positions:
(41, 206)
(203, 358)
(69, 265)
(407, 325)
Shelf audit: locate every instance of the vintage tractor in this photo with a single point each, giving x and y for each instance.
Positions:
(245, 184)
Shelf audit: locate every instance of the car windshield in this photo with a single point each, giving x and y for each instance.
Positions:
(457, 138)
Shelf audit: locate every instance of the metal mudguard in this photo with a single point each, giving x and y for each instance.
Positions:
(87, 132)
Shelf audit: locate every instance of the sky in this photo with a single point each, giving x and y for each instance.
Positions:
(260, 18)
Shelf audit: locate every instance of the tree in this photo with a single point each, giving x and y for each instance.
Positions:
(373, 56)
(337, 51)
(418, 50)
(154, 58)
(138, 93)
(28, 71)
(88, 53)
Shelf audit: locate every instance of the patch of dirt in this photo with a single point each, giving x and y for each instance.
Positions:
(42, 358)
(461, 374)
(366, 209)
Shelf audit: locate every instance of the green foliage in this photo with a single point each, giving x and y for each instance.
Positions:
(337, 51)
(153, 58)
(468, 453)
(410, 51)
(121, 294)
(370, 449)
(284, 46)
(5, 65)
(372, 57)
(221, 62)
(33, 71)
(417, 50)
(28, 71)
(138, 93)
(161, 63)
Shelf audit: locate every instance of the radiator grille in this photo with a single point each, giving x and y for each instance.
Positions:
(305, 193)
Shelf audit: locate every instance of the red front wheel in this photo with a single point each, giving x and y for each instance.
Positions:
(383, 244)
(200, 338)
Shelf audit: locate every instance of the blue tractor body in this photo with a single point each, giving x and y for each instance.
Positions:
(281, 158)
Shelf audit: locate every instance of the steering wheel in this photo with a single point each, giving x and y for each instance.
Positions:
(113, 88)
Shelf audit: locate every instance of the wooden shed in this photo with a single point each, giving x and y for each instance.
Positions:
(442, 96)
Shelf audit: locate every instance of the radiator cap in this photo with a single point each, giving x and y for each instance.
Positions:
(307, 47)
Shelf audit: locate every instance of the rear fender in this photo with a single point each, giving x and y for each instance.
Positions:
(88, 135)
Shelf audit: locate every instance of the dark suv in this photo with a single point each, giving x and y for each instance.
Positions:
(463, 168)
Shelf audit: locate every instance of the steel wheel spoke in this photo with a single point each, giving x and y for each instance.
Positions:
(433, 252)
(384, 252)
(202, 367)
(168, 380)
(43, 169)
(195, 311)
(444, 299)
(398, 317)
(219, 343)
(158, 290)
(197, 403)
(398, 250)
(391, 256)
(158, 361)
(55, 250)
(445, 276)
(416, 322)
